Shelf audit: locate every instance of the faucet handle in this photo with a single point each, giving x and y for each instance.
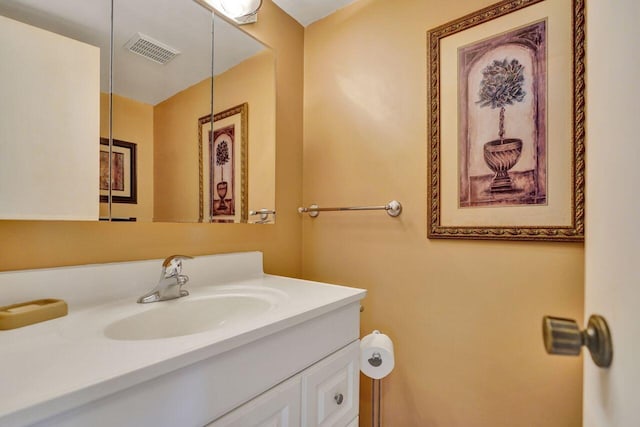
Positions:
(168, 260)
(172, 265)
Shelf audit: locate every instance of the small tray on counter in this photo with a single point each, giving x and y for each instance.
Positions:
(30, 312)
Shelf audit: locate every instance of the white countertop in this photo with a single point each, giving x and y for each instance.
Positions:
(63, 363)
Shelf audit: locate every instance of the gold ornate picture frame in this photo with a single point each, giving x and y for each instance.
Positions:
(223, 166)
(507, 123)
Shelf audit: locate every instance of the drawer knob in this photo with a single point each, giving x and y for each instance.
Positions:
(339, 398)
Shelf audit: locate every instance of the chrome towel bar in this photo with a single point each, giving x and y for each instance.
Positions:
(393, 208)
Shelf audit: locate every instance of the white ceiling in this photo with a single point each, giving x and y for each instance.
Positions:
(182, 24)
(309, 11)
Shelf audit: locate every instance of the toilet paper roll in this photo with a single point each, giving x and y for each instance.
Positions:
(376, 355)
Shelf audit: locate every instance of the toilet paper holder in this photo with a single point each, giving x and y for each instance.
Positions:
(376, 355)
(376, 362)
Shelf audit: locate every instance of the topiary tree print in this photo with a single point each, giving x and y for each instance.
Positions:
(501, 85)
(222, 157)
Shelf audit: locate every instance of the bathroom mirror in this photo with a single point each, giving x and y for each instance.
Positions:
(161, 152)
(162, 103)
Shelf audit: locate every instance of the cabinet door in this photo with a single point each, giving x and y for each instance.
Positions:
(278, 407)
(49, 124)
(330, 389)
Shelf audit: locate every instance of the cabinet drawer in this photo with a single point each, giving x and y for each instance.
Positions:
(330, 389)
(278, 407)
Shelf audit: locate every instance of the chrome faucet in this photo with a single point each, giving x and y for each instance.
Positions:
(171, 281)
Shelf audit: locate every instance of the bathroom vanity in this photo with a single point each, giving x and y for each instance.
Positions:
(243, 349)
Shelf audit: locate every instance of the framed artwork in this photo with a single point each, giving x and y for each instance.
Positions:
(506, 123)
(124, 186)
(223, 165)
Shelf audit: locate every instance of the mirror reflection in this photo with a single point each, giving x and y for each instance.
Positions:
(168, 162)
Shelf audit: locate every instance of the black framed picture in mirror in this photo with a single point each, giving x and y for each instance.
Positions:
(124, 188)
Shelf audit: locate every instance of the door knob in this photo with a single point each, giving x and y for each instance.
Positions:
(563, 336)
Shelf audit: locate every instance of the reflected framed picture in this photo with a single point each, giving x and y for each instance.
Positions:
(506, 123)
(223, 162)
(124, 187)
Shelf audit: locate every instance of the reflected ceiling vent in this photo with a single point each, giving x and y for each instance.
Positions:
(151, 49)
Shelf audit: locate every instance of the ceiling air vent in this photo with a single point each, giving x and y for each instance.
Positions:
(151, 49)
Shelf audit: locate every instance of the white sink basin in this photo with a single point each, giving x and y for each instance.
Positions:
(188, 315)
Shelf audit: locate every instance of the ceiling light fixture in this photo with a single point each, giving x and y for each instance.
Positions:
(238, 9)
(241, 11)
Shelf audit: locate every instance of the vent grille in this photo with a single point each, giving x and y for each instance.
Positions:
(151, 49)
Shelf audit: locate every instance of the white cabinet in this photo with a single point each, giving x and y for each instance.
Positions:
(321, 353)
(330, 389)
(323, 395)
(278, 407)
(184, 381)
(49, 125)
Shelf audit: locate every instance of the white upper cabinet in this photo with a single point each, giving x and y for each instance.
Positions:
(49, 125)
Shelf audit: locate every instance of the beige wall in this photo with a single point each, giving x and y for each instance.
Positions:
(132, 122)
(33, 244)
(252, 81)
(176, 173)
(465, 316)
